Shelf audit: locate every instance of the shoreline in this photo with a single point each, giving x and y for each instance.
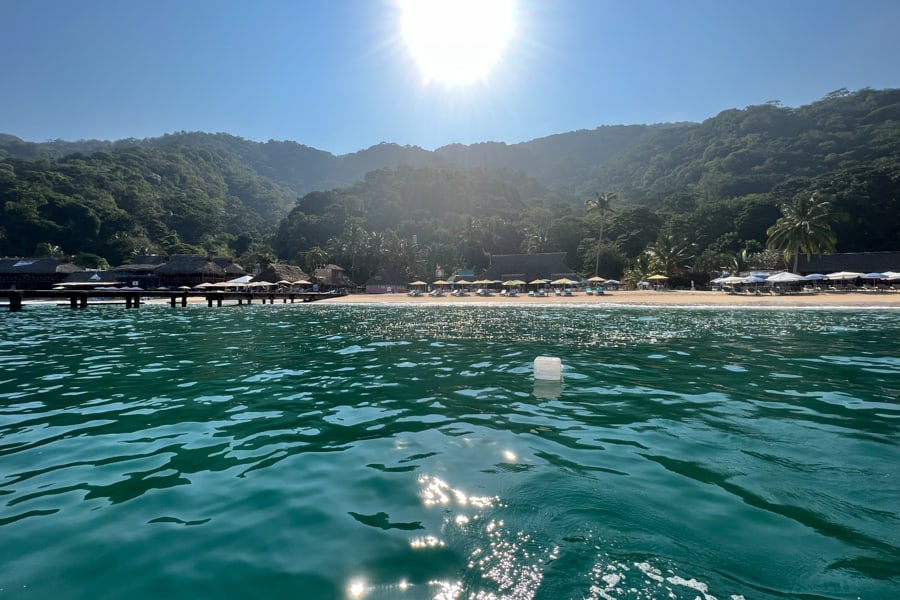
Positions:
(861, 300)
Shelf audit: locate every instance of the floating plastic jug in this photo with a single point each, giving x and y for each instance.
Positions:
(548, 368)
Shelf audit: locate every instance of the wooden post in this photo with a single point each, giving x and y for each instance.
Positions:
(172, 299)
(73, 301)
(184, 299)
(127, 300)
(219, 300)
(209, 300)
(15, 302)
(83, 300)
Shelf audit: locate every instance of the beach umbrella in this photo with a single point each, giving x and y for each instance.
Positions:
(440, 282)
(243, 280)
(657, 277)
(596, 279)
(843, 275)
(813, 277)
(613, 282)
(563, 281)
(733, 279)
(418, 283)
(874, 275)
(305, 282)
(892, 275)
(463, 282)
(785, 277)
(537, 282)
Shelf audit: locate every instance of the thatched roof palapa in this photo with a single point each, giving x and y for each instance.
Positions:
(191, 264)
(40, 266)
(281, 271)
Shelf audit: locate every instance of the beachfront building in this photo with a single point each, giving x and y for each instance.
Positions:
(859, 262)
(189, 270)
(34, 273)
(140, 272)
(332, 277)
(387, 283)
(528, 267)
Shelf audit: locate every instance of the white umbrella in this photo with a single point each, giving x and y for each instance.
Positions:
(243, 280)
(892, 275)
(733, 279)
(813, 277)
(784, 277)
(842, 275)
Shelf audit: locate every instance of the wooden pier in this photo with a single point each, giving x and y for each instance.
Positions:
(134, 298)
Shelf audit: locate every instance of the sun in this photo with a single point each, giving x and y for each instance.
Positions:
(457, 42)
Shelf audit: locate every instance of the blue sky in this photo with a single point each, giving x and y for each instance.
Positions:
(336, 75)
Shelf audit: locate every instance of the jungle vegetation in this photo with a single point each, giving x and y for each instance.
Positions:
(683, 198)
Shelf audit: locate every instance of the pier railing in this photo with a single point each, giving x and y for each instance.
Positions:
(134, 298)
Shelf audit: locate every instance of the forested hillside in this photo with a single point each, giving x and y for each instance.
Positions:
(613, 198)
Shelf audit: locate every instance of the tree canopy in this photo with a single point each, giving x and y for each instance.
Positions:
(700, 193)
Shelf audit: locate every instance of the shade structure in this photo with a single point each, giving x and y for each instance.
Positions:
(418, 283)
(463, 282)
(785, 277)
(733, 279)
(597, 279)
(537, 282)
(243, 280)
(305, 282)
(563, 281)
(843, 275)
(440, 282)
(813, 277)
(892, 275)
(874, 275)
(513, 282)
(656, 277)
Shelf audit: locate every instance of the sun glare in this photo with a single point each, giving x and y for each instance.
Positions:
(457, 42)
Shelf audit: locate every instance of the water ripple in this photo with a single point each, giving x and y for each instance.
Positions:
(406, 452)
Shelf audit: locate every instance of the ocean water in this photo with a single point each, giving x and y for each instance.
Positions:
(346, 451)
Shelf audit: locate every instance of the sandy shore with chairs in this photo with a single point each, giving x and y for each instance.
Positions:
(856, 299)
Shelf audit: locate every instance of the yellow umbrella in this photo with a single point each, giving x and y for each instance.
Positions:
(418, 283)
(657, 277)
(441, 282)
(463, 282)
(537, 282)
(563, 281)
(597, 279)
(513, 282)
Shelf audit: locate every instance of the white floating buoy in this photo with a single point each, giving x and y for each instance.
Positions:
(548, 368)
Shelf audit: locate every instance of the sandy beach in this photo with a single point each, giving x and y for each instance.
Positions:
(862, 300)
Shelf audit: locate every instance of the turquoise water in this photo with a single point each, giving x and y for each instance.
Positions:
(346, 451)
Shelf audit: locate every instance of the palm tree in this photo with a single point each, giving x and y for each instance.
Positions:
(640, 269)
(804, 227)
(600, 205)
(669, 252)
